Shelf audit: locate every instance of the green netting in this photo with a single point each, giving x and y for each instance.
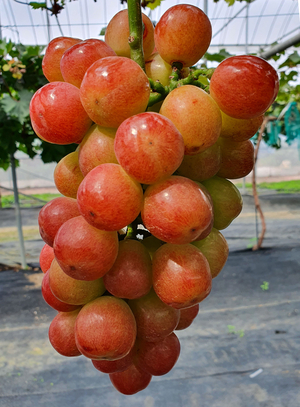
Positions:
(273, 132)
(292, 123)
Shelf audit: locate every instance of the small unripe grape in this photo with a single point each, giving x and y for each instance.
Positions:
(158, 70)
(227, 201)
(215, 249)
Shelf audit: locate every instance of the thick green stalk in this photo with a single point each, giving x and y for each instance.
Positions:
(136, 32)
(160, 92)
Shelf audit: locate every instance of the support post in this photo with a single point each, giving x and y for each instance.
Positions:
(18, 212)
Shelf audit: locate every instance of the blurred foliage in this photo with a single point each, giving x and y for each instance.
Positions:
(217, 57)
(20, 76)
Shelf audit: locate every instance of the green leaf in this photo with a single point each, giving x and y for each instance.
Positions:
(230, 2)
(9, 46)
(32, 51)
(265, 286)
(203, 79)
(102, 32)
(18, 109)
(295, 57)
(218, 57)
(276, 57)
(291, 61)
(152, 4)
(4, 165)
(36, 5)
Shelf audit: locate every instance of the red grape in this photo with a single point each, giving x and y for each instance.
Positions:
(46, 257)
(113, 89)
(62, 333)
(108, 198)
(105, 329)
(196, 115)
(130, 381)
(244, 86)
(97, 147)
(158, 358)
(227, 201)
(84, 252)
(131, 275)
(57, 115)
(71, 291)
(53, 55)
(149, 147)
(155, 320)
(117, 34)
(183, 34)
(176, 210)
(181, 275)
(54, 214)
(82, 56)
(67, 175)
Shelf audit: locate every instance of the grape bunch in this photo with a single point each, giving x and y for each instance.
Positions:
(132, 245)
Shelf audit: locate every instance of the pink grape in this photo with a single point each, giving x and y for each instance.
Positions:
(149, 147)
(108, 198)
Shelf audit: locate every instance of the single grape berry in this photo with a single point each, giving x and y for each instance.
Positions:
(244, 86)
(183, 34)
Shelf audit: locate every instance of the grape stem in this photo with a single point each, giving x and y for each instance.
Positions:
(196, 77)
(133, 229)
(135, 39)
